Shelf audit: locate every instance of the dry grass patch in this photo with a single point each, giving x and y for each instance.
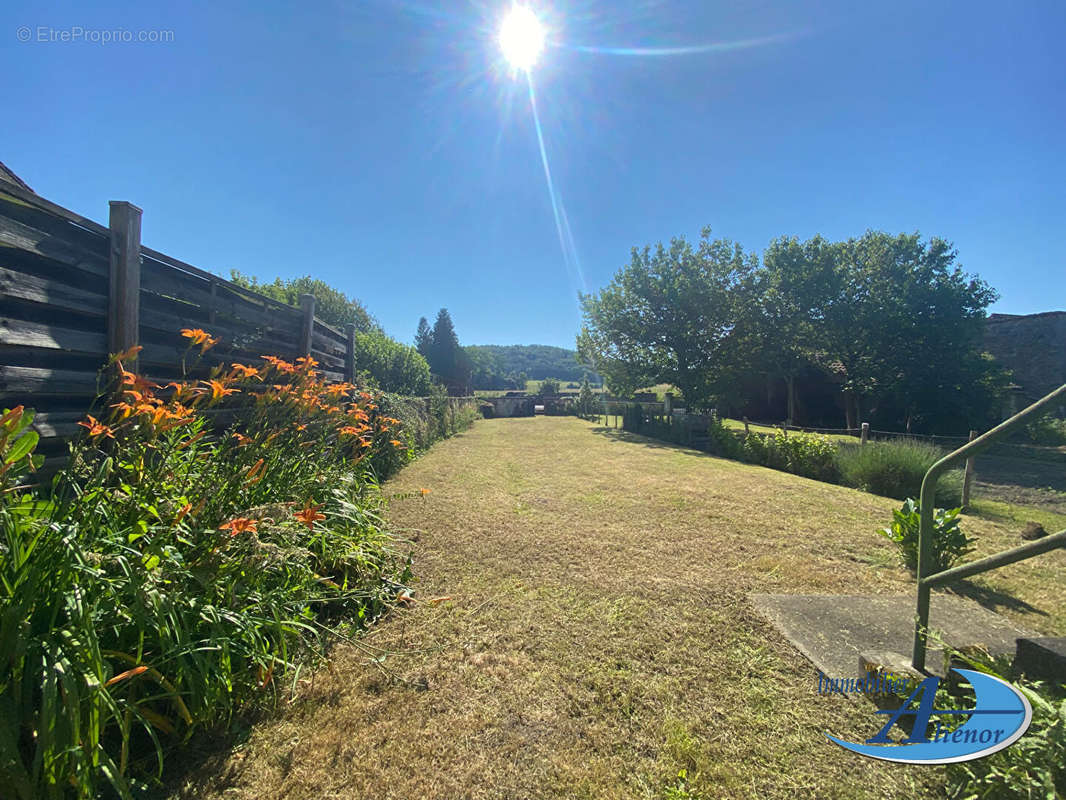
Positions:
(598, 639)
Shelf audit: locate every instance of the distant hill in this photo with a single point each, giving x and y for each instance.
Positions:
(494, 363)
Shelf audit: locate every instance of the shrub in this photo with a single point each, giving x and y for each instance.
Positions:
(422, 422)
(721, 441)
(176, 569)
(1035, 765)
(1046, 430)
(895, 469)
(391, 365)
(809, 455)
(949, 542)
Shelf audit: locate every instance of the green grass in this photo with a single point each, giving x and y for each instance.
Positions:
(1016, 515)
(598, 639)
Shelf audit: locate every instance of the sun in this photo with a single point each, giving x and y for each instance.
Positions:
(521, 38)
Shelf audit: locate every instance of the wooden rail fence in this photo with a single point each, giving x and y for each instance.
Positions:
(72, 291)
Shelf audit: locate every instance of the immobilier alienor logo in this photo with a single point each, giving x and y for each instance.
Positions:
(998, 719)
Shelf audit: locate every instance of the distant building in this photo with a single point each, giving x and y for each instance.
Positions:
(1032, 347)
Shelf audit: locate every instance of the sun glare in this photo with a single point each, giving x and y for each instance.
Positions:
(521, 38)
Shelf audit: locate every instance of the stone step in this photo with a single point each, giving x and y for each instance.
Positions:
(1042, 658)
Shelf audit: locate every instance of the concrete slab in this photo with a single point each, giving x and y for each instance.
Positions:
(833, 631)
(1043, 658)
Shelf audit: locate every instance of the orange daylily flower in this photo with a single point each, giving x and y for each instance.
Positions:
(256, 473)
(239, 525)
(200, 337)
(337, 389)
(308, 514)
(180, 389)
(218, 389)
(185, 509)
(124, 409)
(96, 428)
(131, 353)
(177, 422)
(349, 430)
(424, 492)
(299, 426)
(244, 371)
(242, 440)
(279, 364)
(128, 378)
(396, 443)
(130, 673)
(14, 413)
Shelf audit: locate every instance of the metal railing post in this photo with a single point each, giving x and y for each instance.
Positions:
(926, 500)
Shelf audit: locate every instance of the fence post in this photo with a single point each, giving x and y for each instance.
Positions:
(967, 481)
(124, 289)
(746, 426)
(349, 355)
(307, 327)
(865, 433)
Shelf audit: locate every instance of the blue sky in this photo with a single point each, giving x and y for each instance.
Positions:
(383, 147)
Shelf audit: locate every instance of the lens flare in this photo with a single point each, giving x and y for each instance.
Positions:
(521, 38)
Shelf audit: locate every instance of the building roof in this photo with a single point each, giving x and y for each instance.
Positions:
(10, 177)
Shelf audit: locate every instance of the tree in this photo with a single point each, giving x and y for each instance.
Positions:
(423, 338)
(549, 386)
(906, 323)
(391, 365)
(787, 315)
(587, 404)
(332, 306)
(446, 358)
(674, 315)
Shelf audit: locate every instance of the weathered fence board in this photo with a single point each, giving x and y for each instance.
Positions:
(21, 385)
(47, 292)
(72, 290)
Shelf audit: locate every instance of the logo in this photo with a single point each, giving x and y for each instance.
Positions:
(998, 719)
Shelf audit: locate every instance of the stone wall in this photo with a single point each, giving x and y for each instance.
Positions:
(1032, 347)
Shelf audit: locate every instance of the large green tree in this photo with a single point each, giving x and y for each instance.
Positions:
(447, 359)
(787, 309)
(906, 323)
(671, 316)
(332, 306)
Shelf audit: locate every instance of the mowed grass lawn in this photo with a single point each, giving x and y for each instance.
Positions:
(599, 639)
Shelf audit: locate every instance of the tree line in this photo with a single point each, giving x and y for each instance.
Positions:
(891, 321)
(380, 360)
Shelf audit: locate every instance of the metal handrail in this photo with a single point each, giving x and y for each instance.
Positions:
(926, 578)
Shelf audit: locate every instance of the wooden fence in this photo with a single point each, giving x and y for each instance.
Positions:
(72, 291)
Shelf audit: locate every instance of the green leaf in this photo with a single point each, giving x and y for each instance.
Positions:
(22, 447)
